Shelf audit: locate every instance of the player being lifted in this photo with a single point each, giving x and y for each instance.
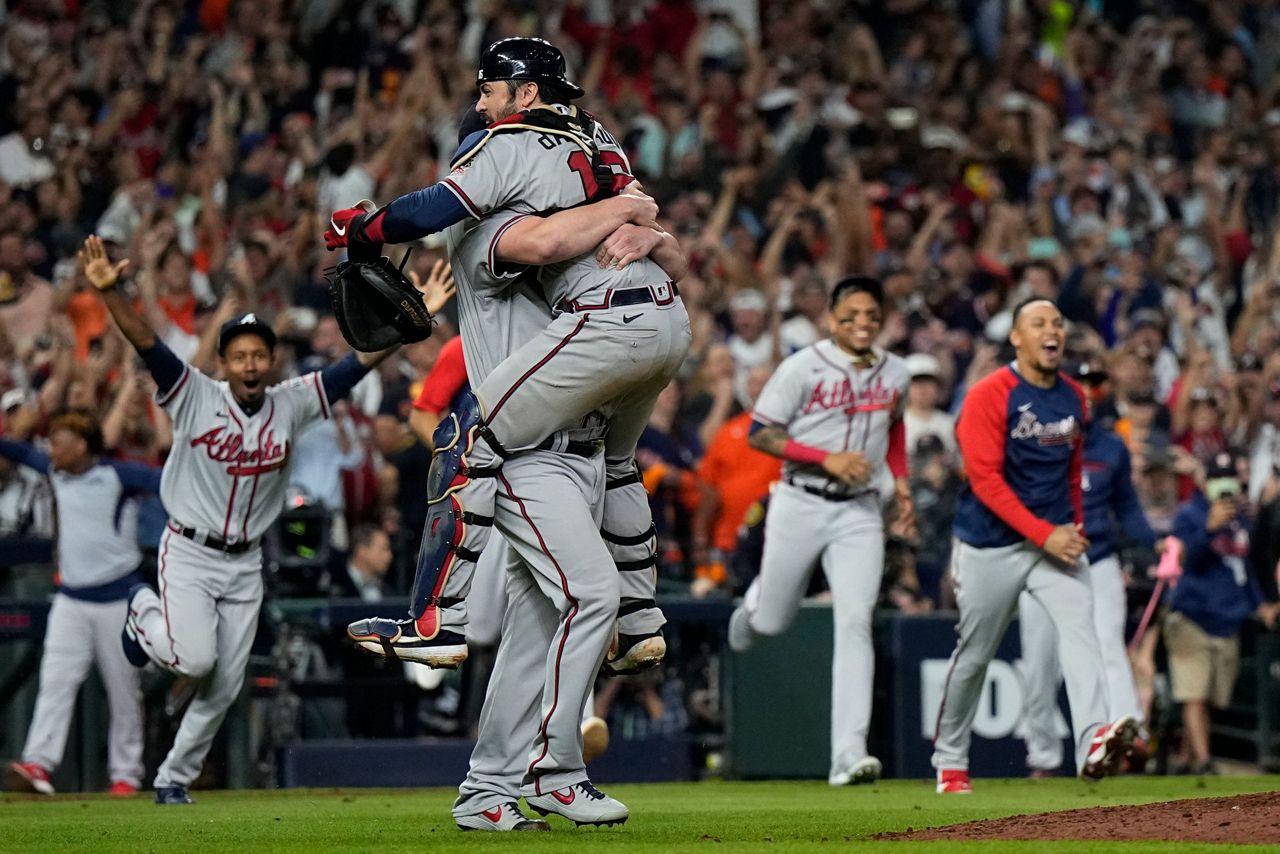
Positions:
(618, 336)
(833, 412)
(223, 486)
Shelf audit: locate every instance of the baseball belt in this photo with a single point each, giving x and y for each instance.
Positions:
(663, 294)
(204, 538)
(827, 494)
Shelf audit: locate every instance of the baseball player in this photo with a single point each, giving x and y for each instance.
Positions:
(223, 486)
(539, 154)
(487, 599)
(833, 413)
(1019, 527)
(98, 559)
(562, 588)
(1110, 505)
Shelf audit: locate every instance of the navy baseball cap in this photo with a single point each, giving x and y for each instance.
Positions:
(245, 324)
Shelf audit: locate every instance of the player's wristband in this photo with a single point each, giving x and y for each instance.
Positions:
(799, 453)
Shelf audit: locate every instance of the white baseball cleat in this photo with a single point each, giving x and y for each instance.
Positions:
(865, 770)
(581, 803)
(741, 635)
(631, 654)
(501, 818)
(1110, 745)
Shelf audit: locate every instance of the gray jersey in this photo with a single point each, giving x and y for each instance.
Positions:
(498, 311)
(823, 401)
(227, 472)
(535, 172)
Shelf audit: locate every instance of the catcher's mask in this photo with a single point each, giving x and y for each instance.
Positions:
(537, 60)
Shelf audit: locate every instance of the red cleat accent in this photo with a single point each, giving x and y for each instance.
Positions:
(121, 789)
(953, 781)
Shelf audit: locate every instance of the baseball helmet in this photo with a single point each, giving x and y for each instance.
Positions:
(532, 59)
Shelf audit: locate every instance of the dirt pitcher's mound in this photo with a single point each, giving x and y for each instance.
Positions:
(1240, 819)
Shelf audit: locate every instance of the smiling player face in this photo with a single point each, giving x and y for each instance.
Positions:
(855, 323)
(245, 363)
(1038, 338)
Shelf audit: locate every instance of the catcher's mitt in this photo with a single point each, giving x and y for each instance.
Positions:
(376, 305)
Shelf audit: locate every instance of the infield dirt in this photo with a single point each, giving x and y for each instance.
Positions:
(1241, 819)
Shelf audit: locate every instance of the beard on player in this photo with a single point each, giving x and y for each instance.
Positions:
(491, 103)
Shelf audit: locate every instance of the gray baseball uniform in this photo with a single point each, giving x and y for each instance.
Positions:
(822, 400)
(225, 478)
(554, 378)
(561, 619)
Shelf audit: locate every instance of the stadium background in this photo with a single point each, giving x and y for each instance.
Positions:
(1120, 157)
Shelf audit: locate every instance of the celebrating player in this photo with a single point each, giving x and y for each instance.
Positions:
(98, 561)
(1110, 504)
(1019, 527)
(223, 486)
(539, 154)
(833, 412)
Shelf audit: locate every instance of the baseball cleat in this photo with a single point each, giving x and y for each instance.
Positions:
(741, 635)
(865, 770)
(172, 796)
(1042, 774)
(28, 777)
(581, 803)
(954, 781)
(632, 654)
(595, 738)
(121, 789)
(400, 639)
(1107, 751)
(133, 651)
(501, 818)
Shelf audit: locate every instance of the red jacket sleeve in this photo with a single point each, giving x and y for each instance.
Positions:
(896, 458)
(981, 433)
(446, 377)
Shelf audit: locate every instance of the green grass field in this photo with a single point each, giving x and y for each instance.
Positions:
(774, 816)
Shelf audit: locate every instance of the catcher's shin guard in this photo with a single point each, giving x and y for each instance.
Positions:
(628, 533)
(460, 495)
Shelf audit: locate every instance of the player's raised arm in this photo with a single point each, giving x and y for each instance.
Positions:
(165, 367)
(104, 276)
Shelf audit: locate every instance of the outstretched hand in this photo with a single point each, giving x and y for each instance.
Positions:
(439, 287)
(98, 269)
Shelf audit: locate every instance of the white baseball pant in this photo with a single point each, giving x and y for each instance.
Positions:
(80, 634)
(988, 583)
(847, 537)
(200, 626)
(1041, 673)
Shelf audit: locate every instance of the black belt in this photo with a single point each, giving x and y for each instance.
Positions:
(575, 447)
(826, 493)
(615, 299)
(214, 542)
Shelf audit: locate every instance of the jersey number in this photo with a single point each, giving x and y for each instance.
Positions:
(579, 162)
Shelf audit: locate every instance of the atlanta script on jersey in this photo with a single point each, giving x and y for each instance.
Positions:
(821, 400)
(228, 471)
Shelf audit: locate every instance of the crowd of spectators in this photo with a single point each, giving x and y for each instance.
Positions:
(1117, 157)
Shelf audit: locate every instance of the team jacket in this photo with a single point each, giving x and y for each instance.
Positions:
(1022, 450)
(1217, 589)
(1110, 502)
